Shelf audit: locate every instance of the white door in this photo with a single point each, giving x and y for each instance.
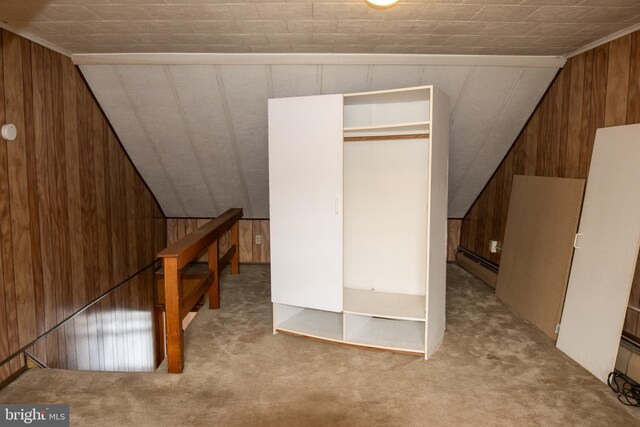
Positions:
(606, 252)
(305, 197)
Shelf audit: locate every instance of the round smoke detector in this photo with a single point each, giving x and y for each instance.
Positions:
(9, 132)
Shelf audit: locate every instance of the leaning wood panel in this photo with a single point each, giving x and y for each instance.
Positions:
(538, 247)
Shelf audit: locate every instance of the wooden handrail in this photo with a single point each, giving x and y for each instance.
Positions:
(194, 243)
(177, 256)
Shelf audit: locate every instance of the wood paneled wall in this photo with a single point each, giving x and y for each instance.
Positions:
(598, 88)
(454, 227)
(75, 216)
(250, 252)
(259, 253)
(114, 334)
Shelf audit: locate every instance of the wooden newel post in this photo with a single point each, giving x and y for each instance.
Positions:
(173, 300)
(176, 257)
(235, 240)
(214, 290)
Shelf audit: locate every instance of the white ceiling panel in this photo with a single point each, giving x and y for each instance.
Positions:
(484, 97)
(122, 114)
(296, 80)
(384, 76)
(198, 133)
(517, 109)
(209, 131)
(483, 27)
(166, 130)
(346, 78)
(247, 89)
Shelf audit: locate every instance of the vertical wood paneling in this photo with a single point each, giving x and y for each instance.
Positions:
(265, 247)
(597, 88)
(18, 191)
(585, 154)
(598, 96)
(75, 220)
(5, 370)
(453, 238)
(246, 248)
(633, 99)
(574, 117)
(618, 82)
(31, 167)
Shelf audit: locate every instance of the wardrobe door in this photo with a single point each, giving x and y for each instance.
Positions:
(437, 221)
(305, 196)
(606, 252)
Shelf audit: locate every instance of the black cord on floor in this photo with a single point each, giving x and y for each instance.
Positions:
(627, 389)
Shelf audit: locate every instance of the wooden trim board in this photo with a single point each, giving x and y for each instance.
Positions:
(487, 276)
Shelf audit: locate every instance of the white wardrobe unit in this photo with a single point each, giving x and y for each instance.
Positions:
(358, 199)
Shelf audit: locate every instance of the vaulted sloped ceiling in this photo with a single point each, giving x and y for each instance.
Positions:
(198, 133)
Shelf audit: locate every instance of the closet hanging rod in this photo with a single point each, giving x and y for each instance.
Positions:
(385, 137)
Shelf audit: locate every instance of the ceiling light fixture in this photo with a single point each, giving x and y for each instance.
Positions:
(381, 4)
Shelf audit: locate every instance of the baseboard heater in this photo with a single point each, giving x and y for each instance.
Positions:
(628, 360)
(481, 268)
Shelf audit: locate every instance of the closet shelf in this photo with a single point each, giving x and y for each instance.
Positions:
(385, 137)
(384, 304)
(314, 323)
(396, 127)
(414, 130)
(387, 334)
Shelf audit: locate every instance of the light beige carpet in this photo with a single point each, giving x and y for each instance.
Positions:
(493, 369)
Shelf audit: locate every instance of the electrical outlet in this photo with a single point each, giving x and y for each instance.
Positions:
(258, 239)
(493, 246)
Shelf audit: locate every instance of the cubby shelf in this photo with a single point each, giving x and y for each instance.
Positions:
(384, 304)
(385, 333)
(314, 323)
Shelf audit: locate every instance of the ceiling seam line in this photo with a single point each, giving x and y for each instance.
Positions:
(154, 149)
(183, 117)
(462, 92)
(234, 140)
(270, 85)
(453, 193)
(493, 126)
